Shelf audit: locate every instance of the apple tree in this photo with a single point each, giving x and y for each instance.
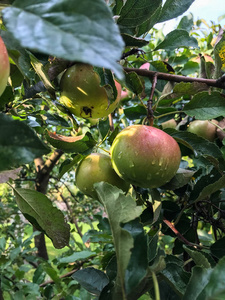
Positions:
(124, 125)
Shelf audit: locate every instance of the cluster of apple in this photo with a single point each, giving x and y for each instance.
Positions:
(140, 155)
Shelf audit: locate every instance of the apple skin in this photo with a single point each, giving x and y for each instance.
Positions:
(145, 156)
(169, 124)
(82, 94)
(4, 66)
(97, 167)
(204, 129)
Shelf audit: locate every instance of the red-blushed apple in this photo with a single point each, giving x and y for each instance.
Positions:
(204, 129)
(145, 66)
(4, 66)
(94, 168)
(82, 94)
(145, 156)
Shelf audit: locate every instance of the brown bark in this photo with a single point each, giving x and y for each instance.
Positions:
(43, 169)
(219, 83)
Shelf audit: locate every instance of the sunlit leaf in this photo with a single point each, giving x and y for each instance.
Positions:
(205, 106)
(38, 210)
(177, 38)
(77, 31)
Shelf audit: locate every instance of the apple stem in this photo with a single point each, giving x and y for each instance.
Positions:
(111, 125)
(150, 113)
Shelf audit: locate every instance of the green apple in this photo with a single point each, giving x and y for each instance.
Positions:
(4, 66)
(82, 94)
(94, 168)
(145, 156)
(169, 124)
(204, 129)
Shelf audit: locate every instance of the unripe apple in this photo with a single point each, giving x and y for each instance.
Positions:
(97, 167)
(169, 124)
(4, 66)
(82, 94)
(204, 129)
(145, 156)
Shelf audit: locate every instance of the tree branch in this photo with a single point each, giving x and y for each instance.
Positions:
(180, 236)
(219, 83)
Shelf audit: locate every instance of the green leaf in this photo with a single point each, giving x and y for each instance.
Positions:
(74, 30)
(76, 256)
(133, 82)
(117, 7)
(68, 164)
(18, 54)
(91, 279)
(148, 24)
(76, 144)
(104, 128)
(198, 145)
(19, 144)
(55, 120)
(134, 12)
(120, 209)
(205, 107)
(186, 23)
(189, 88)
(215, 288)
(107, 81)
(181, 178)
(6, 97)
(217, 249)
(131, 41)
(177, 38)
(153, 247)
(135, 112)
(157, 206)
(137, 268)
(38, 209)
(189, 68)
(39, 69)
(176, 277)
(199, 279)
(174, 8)
(198, 258)
(206, 186)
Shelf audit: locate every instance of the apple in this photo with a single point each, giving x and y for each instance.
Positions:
(82, 94)
(97, 167)
(169, 124)
(145, 156)
(4, 66)
(204, 129)
(221, 133)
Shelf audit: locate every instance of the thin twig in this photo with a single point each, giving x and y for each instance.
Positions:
(220, 83)
(111, 125)
(63, 276)
(180, 236)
